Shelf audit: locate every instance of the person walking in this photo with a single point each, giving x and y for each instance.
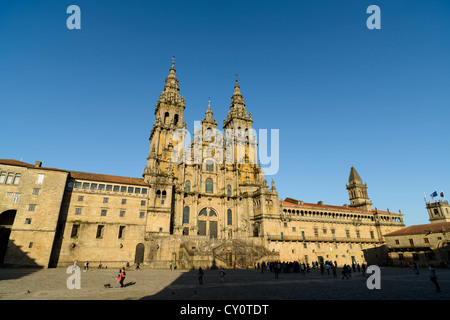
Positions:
(123, 274)
(416, 268)
(119, 275)
(222, 275)
(433, 277)
(363, 268)
(200, 275)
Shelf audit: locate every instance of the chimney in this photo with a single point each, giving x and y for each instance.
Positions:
(38, 164)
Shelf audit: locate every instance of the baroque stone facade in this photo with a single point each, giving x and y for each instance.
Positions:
(205, 205)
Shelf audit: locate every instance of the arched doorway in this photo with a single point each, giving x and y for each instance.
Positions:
(139, 255)
(6, 222)
(208, 223)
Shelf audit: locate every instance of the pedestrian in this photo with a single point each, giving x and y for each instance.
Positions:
(123, 274)
(119, 275)
(222, 275)
(100, 265)
(363, 268)
(416, 268)
(200, 275)
(344, 272)
(86, 266)
(433, 277)
(333, 267)
(277, 268)
(138, 266)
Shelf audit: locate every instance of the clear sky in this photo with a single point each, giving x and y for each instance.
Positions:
(340, 94)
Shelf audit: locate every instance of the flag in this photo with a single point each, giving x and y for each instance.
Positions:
(442, 194)
(434, 194)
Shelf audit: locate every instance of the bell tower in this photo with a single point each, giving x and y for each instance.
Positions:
(357, 192)
(161, 171)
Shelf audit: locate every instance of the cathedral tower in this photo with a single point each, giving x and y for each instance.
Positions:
(357, 192)
(161, 173)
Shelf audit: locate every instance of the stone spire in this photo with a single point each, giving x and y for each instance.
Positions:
(354, 177)
(170, 93)
(357, 192)
(237, 105)
(209, 115)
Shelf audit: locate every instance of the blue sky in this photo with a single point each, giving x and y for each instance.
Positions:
(340, 94)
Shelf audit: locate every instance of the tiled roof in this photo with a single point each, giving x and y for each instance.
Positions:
(106, 178)
(328, 207)
(12, 162)
(421, 229)
(81, 175)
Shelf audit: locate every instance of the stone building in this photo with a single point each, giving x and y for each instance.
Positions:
(205, 205)
(423, 244)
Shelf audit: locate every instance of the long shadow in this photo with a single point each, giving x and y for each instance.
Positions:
(245, 284)
(22, 264)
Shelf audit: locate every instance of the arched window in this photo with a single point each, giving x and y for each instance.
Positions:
(209, 165)
(203, 212)
(175, 119)
(186, 215)
(158, 194)
(229, 217)
(187, 186)
(166, 118)
(209, 187)
(228, 190)
(164, 194)
(212, 213)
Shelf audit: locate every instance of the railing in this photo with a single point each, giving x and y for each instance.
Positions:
(319, 239)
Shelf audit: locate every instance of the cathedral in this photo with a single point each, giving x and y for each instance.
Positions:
(200, 203)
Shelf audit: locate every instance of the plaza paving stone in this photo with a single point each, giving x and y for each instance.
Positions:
(249, 284)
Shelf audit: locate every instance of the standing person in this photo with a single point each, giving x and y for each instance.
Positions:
(138, 266)
(363, 268)
(86, 266)
(333, 267)
(433, 277)
(200, 275)
(344, 272)
(277, 268)
(100, 265)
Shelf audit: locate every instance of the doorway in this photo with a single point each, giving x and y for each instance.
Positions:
(6, 222)
(139, 255)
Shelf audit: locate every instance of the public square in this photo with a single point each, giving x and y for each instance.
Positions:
(248, 284)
